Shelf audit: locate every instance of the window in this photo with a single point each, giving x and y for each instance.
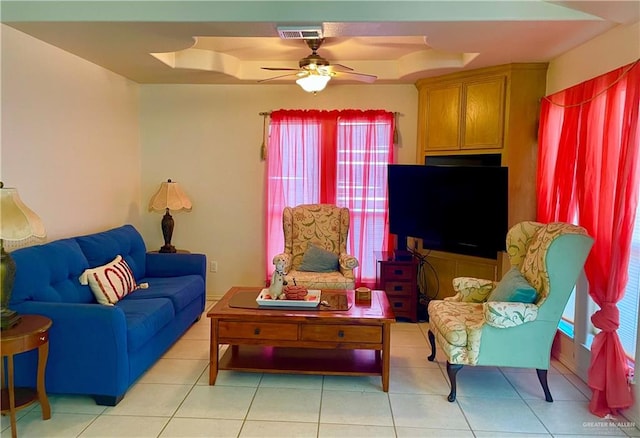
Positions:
(336, 157)
(628, 305)
(589, 169)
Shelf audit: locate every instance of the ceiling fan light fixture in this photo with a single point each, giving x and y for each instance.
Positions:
(313, 83)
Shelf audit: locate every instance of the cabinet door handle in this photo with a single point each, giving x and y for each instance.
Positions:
(256, 331)
(398, 271)
(397, 288)
(340, 334)
(397, 304)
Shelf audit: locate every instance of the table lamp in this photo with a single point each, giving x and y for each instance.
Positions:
(17, 222)
(169, 197)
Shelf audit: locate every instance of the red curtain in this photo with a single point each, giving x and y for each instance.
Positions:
(589, 173)
(334, 157)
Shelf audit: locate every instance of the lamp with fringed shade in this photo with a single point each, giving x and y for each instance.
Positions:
(17, 222)
(169, 196)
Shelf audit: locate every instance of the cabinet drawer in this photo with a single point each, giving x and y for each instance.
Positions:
(398, 288)
(342, 333)
(258, 330)
(398, 272)
(400, 305)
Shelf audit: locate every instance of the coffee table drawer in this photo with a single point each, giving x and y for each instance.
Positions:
(258, 330)
(342, 333)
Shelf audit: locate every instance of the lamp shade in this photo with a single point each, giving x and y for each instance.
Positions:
(170, 196)
(17, 221)
(313, 83)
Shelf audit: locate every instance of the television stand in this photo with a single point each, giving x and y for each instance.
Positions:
(447, 266)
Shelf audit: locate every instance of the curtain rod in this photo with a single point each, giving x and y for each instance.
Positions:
(268, 113)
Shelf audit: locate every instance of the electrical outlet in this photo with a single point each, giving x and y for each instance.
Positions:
(213, 266)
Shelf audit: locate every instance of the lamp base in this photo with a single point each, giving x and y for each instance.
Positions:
(8, 318)
(167, 248)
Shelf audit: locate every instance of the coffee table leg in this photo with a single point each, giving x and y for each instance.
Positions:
(386, 346)
(213, 352)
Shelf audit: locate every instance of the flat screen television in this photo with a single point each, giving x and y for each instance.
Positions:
(457, 209)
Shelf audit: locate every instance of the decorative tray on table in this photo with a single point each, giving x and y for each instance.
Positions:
(311, 300)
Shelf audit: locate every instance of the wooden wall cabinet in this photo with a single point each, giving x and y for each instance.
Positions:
(493, 110)
(468, 114)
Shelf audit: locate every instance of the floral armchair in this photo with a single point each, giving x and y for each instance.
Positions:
(512, 323)
(315, 241)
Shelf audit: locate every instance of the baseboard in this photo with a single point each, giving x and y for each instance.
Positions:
(214, 296)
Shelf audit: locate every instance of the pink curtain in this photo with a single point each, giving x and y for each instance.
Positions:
(365, 147)
(589, 172)
(334, 157)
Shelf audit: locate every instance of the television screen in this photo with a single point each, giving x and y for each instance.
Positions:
(458, 209)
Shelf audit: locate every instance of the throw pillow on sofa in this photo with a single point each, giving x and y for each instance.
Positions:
(111, 282)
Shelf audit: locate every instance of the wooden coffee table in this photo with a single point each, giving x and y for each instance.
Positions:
(320, 340)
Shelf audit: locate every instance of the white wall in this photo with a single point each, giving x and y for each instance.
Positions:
(620, 46)
(69, 139)
(208, 137)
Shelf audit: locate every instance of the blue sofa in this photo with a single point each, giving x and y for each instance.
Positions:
(96, 349)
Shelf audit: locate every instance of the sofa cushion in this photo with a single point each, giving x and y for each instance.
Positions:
(180, 290)
(317, 259)
(101, 248)
(50, 273)
(111, 282)
(145, 318)
(316, 280)
(513, 288)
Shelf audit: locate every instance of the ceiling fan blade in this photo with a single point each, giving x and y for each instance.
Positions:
(362, 77)
(341, 67)
(278, 77)
(279, 68)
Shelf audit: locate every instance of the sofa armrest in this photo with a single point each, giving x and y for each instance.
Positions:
(471, 290)
(87, 348)
(347, 264)
(175, 265)
(507, 314)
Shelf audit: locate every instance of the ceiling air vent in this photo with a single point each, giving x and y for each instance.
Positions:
(300, 32)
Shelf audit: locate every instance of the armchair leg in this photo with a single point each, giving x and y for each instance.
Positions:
(432, 342)
(542, 377)
(452, 370)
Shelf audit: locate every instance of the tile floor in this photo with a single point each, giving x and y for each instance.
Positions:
(173, 399)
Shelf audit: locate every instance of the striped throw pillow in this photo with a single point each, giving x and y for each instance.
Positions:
(111, 282)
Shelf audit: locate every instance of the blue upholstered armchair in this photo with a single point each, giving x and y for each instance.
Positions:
(512, 323)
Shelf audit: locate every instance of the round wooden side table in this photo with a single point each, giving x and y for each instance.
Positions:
(32, 332)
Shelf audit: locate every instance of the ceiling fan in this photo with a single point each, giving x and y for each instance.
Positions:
(314, 71)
